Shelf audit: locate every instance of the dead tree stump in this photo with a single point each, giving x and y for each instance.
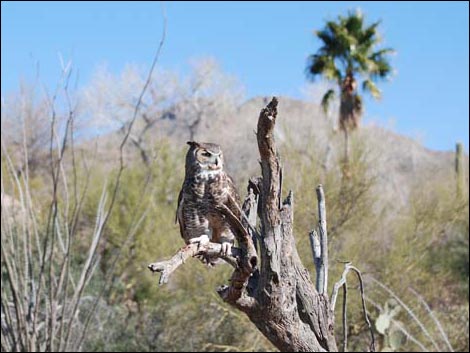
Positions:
(278, 295)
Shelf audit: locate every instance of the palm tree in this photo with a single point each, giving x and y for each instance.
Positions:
(348, 53)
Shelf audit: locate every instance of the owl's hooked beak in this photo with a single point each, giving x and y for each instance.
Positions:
(217, 164)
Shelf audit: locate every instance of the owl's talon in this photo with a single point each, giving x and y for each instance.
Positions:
(202, 240)
(226, 249)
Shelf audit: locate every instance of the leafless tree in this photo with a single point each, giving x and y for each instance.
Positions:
(172, 105)
(25, 125)
(42, 293)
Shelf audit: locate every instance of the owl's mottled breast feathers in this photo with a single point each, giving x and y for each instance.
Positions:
(206, 186)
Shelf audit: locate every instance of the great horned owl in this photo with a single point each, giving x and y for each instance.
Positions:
(206, 186)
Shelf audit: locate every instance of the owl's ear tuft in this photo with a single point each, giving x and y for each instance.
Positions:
(193, 143)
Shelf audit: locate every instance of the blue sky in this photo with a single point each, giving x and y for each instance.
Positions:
(264, 44)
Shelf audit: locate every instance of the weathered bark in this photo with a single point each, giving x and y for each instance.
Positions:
(286, 307)
(277, 296)
(167, 267)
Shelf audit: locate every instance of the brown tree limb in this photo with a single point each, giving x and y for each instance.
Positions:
(167, 267)
(249, 258)
(269, 197)
(270, 164)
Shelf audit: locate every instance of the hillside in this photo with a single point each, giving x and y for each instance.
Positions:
(397, 218)
(398, 162)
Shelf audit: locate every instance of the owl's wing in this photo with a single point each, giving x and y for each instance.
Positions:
(231, 208)
(233, 199)
(179, 213)
(180, 200)
(234, 213)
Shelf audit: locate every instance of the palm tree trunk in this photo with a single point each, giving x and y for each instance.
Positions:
(349, 113)
(346, 147)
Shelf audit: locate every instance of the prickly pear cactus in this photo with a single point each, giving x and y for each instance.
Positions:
(392, 337)
(396, 338)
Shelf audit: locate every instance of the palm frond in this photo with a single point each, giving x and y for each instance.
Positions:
(381, 53)
(354, 23)
(333, 27)
(326, 100)
(381, 69)
(369, 86)
(363, 63)
(316, 64)
(326, 37)
(370, 35)
(323, 65)
(343, 40)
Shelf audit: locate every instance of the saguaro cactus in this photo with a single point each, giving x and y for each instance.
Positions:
(459, 175)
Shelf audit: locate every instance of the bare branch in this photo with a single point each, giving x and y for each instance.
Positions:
(315, 247)
(364, 309)
(144, 89)
(434, 318)
(322, 264)
(343, 283)
(166, 268)
(270, 166)
(345, 327)
(107, 213)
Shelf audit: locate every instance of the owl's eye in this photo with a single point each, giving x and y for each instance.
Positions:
(206, 154)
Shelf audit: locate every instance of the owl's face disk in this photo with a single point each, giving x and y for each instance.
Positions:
(208, 156)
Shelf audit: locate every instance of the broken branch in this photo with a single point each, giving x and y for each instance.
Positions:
(322, 265)
(166, 268)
